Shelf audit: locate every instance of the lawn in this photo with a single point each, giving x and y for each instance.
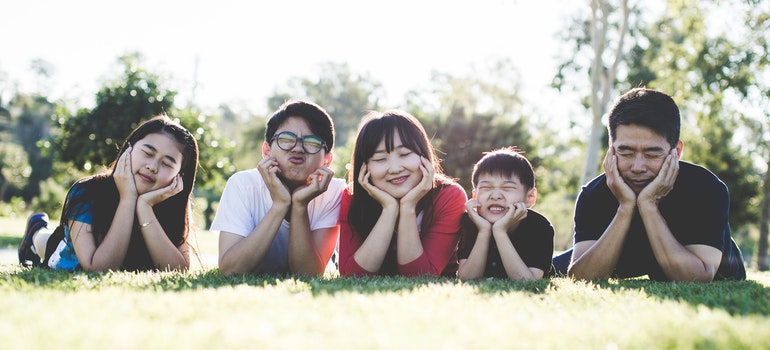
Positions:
(202, 309)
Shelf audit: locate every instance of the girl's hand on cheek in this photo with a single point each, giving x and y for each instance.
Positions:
(423, 187)
(161, 194)
(471, 207)
(124, 176)
(364, 178)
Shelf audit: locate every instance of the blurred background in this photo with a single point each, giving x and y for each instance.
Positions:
(77, 76)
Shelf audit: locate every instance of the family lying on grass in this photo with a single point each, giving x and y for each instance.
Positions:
(648, 214)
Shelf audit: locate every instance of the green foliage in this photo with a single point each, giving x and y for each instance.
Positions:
(215, 153)
(462, 141)
(94, 137)
(248, 151)
(33, 130)
(14, 169)
(51, 198)
(344, 94)
(468, 115)
(702, 72)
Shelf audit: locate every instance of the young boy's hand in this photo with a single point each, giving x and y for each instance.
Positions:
(511, 220)
(471, 207)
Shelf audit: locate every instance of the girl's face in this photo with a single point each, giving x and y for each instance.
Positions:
(155, 160)
(396, 172)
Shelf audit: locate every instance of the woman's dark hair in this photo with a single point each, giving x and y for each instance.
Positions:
(375, 127)
(101, 192)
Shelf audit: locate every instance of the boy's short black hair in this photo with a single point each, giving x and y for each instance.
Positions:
(317, 119)
(505, 162)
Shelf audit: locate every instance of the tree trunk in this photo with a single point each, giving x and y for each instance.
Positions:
(591, 165)
(763, 262)
(602, 78)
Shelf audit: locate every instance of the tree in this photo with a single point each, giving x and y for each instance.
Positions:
(215, 162)
(705, 71)
(468, 115)
(344, 94)
(758, 40)
(708, 70)
(32, 130)
(606, 41)
(92, 137)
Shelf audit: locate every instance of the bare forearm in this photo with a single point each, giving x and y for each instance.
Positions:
(244, 255)
(304, 258)
(515, 268)
(164, 254)
(474, 266)
(677, 262)
(110, 254)
(408, 244)
(600, 259)
(372, 251)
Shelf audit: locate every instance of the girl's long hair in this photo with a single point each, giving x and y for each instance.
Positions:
(99, 194)
(375, 127)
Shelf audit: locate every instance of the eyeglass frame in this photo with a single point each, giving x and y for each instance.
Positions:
(299, 139)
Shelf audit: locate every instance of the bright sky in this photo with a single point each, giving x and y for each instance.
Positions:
(247, 48)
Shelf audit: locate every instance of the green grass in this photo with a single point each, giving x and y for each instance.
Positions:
(203, 309)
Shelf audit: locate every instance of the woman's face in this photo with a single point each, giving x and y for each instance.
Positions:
(155, 160)
(396, 172)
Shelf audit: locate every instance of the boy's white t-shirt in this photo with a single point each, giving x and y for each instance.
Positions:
(246, 200)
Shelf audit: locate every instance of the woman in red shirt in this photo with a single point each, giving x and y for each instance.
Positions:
(400, 214)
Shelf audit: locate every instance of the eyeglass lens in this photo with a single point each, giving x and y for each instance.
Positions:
(287, 140)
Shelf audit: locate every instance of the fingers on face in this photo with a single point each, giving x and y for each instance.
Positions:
(363, 175)
(471, 204)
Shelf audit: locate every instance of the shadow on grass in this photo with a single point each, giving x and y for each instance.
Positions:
(20, 278)
(735, 297)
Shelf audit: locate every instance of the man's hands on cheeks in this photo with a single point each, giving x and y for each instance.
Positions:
(317, 183)
(663, 183)
(618, 186)
(279, 192)
(124, 176)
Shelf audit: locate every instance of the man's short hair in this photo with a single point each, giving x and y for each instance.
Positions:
(317, 118)
(505, 162)
(650, 108)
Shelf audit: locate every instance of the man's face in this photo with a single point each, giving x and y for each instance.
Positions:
(296, 164)
(640, 153)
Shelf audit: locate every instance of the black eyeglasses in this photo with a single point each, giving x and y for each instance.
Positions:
(287, 140)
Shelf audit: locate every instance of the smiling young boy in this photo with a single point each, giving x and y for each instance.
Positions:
(501, 235)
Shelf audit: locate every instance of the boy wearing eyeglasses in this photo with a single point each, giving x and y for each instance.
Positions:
(282, 216)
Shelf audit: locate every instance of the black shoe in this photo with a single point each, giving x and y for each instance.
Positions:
(27, 256)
